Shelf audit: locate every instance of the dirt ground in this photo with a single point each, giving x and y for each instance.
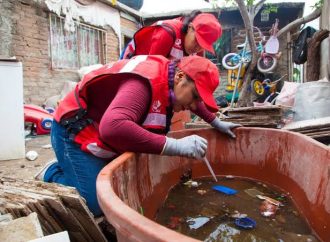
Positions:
(23, 168)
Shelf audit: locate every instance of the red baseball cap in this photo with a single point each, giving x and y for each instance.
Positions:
(207, 30)
(205, 75)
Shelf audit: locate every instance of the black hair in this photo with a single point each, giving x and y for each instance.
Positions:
(187, 19)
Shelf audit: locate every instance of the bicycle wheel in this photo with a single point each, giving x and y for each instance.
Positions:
(257, 87)
(231, 61)
(267, 63)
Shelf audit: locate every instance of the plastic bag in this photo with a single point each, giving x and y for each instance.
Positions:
(287, 94)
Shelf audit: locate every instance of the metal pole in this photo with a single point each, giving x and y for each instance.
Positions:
(239, 72)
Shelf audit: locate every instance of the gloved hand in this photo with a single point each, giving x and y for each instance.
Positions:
(192, 146)
(224, 127)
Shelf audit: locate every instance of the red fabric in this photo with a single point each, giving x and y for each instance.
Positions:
(119, 111)
(120, 125)
(161, 43)
(128, 108)
(207, 30)
(204, 113)
(162, 38)
(205, 75)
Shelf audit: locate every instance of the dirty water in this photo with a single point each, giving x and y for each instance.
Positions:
(198, 211)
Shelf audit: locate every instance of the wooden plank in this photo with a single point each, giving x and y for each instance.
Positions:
(312, 123)
(66, 219)
(59, 207)
(84, 216)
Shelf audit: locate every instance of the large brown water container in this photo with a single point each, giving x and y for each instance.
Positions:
(139, 183)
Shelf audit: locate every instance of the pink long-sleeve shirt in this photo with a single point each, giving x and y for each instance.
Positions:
(121, 111)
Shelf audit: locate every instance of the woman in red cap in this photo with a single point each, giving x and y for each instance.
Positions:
(127, 106)
(177, 37)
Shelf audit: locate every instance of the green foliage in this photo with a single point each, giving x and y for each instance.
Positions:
(248, 2)
(318, 4)
(269, 8)
(296, 74)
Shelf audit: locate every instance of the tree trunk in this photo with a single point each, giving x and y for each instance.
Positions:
(245, 98)
(313, 55)
(299, 21)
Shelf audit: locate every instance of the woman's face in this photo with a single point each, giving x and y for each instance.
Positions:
(191, 45)
(186, 94)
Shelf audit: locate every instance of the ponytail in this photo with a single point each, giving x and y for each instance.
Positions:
(187, 19)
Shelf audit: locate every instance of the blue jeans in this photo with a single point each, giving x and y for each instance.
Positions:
(75, 167)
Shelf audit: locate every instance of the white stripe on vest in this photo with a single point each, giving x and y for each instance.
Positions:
(99, 152)
(155, 119)
(130, 65)
(176, 53)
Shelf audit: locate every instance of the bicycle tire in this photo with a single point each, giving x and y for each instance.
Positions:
(266, 66)
(229, 63)
(257, 88)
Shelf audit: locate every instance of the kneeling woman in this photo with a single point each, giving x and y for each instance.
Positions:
(127, 106)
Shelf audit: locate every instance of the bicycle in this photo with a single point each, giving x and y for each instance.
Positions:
(266, 90)
(267, 61)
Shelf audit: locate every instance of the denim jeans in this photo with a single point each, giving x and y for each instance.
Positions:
(75, 167)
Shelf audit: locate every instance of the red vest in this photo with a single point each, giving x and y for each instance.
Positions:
(74, 105)
(142, 40)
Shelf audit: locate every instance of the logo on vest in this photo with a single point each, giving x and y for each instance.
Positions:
(156, 106)
(178, 42)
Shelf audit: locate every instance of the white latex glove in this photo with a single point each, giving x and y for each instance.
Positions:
(225, 127)
(192, 146)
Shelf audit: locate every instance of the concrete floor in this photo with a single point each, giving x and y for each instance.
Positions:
(23, 168)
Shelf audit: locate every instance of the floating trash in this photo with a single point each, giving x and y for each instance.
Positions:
(271, 200)
(245, 223)
(268, 209)
(237, 214)
(196, 223)
(201, 191)
(174, 222)
(191, 183)
(253, 192)
(225, 190)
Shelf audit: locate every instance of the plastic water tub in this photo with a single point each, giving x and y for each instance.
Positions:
(136, 184)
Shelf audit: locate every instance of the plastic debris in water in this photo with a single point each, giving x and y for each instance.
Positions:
(271, 200)
(225, 190)
(191, 183)
(201, 191)
(253, 192)
(268, 209)
(237, 214)
(196, 223)
(174, 222)
(245, 223)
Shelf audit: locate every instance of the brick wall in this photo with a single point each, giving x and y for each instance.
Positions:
(128, 28)
(112, 49)
(128, 24)
(24, 29)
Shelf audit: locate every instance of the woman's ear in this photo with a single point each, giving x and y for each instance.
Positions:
(190, 27)
(179, 76)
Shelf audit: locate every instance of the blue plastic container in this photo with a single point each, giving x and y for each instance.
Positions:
(245, 223)
(225, 190)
